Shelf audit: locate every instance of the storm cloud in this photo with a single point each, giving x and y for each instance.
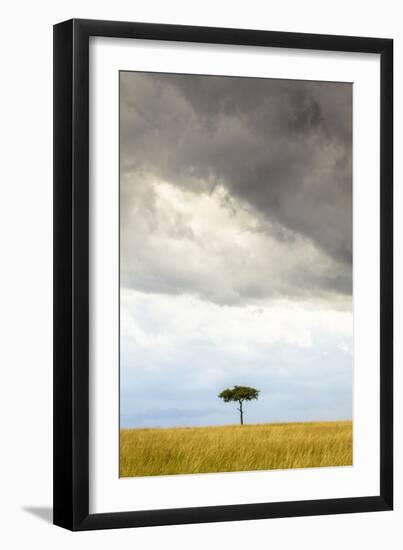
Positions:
(278, 150)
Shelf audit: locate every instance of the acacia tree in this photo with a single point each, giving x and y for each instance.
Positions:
(239, 394)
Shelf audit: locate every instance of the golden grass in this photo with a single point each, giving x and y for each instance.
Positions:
(234, 448)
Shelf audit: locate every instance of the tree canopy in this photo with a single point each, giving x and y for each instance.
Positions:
(239, 394)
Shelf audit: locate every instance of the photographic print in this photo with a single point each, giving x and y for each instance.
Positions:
(205, 273)
(236, 320)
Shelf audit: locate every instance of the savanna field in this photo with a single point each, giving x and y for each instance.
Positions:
(234, 448)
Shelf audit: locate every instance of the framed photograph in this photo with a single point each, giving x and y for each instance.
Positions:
(223, 274)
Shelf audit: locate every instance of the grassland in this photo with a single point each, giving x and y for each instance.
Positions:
(234, 448)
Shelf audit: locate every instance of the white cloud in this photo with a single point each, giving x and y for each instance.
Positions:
(216, 247)
(169, 322)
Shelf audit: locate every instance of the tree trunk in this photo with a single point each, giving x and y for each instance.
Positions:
(241, 411)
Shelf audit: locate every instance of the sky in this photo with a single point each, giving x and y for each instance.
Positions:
(235, 249)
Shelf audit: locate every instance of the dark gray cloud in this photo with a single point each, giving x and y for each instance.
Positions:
(280, 148)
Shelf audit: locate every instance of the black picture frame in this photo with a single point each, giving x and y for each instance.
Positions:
(71, 274)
